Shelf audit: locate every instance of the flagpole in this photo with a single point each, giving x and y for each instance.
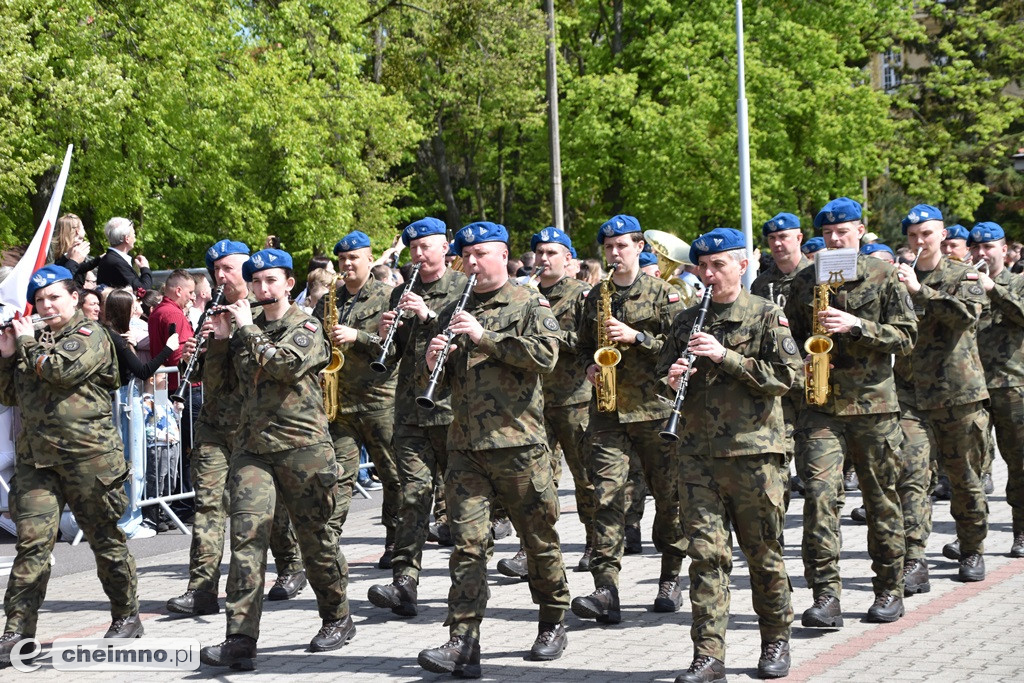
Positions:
(744, 147)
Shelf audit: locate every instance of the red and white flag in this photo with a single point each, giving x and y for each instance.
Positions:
(13, 288)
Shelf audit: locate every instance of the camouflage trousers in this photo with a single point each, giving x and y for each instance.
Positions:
(961, 436)
(745, 493)
(914, 482)
(373, 429)
(209, 475)
(566, 426)
(609, 463)
(94, 489)
(422, 455)
(347, 459)
(1007, 415)
(635, 491)
(520, 478)
(307, 478)
(873, 443)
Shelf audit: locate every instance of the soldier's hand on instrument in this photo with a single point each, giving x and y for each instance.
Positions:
(434, 350)
(909, 278)
(343, 334)
(7, 342)
(387, 319)
(593, 374)
(836, 321)
(675, 373)
(704, 344)
(466, 324)
(219, 325)
(620, 332)
(414, 303)
(986, 282)
(241, 312)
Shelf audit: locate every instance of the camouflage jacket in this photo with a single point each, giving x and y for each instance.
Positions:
(733, 408)
(359, 387)
(649, 305)
(497, 394)
(282, 405)
(775, 285)
(222, 401)
(410, 347)
(944, 368)
(1001, 332)
(567, 384)
(63, 392)
(862, 378)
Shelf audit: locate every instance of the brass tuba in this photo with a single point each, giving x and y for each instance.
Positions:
(607, 355)
(672, 252)
(329, 376)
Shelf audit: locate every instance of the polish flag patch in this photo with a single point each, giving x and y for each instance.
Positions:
(310, 326)
(673, 297)
(784, 321)
(544, 302)
(972, 276)
(85, 330)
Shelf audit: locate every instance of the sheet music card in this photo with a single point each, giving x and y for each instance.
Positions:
(835, 265)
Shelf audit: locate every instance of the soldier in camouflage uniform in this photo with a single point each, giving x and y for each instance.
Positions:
(215, 434)
(941, 388)
(421, 434)
(566, 390)
(732, 442)
(366, 399)
(1001, 343)
(783, 235)
(869, 319)
(283, 443)
(505, 340)
(642, 310)
(68, 451)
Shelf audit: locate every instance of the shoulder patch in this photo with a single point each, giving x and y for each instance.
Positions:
(784, 321)
(544, 302)
(976, 290)
(551, 324)
(71, 345)
(971, 275)
(85, 331)
(789, 346)
(300, 339)
(910, 302)
(311, 326)
(673, 297)
(585, 293)
(902, 277)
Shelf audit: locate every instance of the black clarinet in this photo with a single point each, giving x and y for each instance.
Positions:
(385, 346)
(672, 426)
(427, 399)
(185, 380)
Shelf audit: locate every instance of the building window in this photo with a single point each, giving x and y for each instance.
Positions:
(892, 61)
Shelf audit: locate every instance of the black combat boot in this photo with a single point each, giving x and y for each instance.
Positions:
(670, 595)
(238, 652)
(704, 669)
(399, 596)
(915, 577)
(460, 656)
(943, 489)
(887, 608)
(588, 554)
(774, 661)
(987, 485)
(8, 643)
(633, 545)
(194, 603)
(389, 550)
(824, 613)
(550, 643)
(501, 528)
(951, 551)
(602, 604)
(1017, 549)
(126, 627)
(972, 567)
(332, 635)
(287, 586)
(859, 514)
(515, 567)
(850, 481)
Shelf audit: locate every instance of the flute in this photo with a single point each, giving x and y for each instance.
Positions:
(217, 310)
(34, 319)
(385, 346)
(427, 399)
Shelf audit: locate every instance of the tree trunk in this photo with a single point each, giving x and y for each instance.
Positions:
(501, 176)
(616, 27)
(440, 157)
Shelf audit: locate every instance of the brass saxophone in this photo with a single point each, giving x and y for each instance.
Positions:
(329, 377)
(818, 346)
(607, 355)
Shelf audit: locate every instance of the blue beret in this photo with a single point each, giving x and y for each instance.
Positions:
(838, 211)
(572, 252)
(648, 258)
(812, 245)
(44, 277)
(421, 228)
(618, 225)
(781, 221)
(222, 249)
(920, 214)
(475, 233)
(986, 232)
(353, 240)
(716, 241)
(869, 249)
(956, 232)
(551, 236)
(265, 259)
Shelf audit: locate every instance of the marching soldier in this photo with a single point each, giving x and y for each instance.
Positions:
(954, 246)
(421, 434)
(868, 319)
(366, 399)
(68, 451)
(283, 443)
(732, 442)
(642, 310)
(566, 390)
(504, 341)
(941, 388)
(1001, 344)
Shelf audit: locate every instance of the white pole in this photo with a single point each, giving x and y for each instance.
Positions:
(744, 145)
(555, 146)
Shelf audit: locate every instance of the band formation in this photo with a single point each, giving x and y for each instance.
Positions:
(468, 388)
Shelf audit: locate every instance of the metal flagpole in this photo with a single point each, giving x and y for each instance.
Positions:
(744, 146)
(555, 145)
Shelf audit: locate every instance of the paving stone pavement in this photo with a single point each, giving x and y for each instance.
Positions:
(956, 632)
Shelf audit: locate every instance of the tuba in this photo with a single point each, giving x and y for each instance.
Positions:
(672, 252)
(607, 355)
(329, 377)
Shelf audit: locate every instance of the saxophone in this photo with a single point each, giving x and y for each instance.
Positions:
(329, 377)
(607, 355)
(818, 346)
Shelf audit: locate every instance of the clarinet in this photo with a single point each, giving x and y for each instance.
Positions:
(427, 399)
(385, 346)
(184, 381)
(669, 433)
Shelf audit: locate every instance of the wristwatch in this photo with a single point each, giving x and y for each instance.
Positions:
(857, 331)
(640, 339)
